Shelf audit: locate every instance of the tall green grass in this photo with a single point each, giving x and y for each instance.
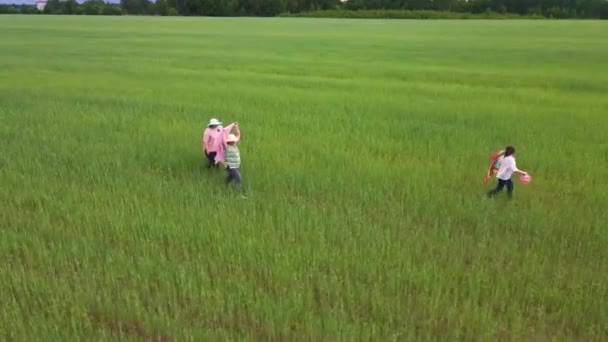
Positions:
(364, 146)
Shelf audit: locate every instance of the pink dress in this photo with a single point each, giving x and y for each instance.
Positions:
(212, 141)
(218, 143)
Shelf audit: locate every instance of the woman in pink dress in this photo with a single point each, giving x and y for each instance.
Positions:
(212, 140)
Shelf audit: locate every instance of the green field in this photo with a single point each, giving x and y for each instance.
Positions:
(364, 147)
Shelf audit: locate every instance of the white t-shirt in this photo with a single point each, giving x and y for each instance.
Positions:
(507, 168)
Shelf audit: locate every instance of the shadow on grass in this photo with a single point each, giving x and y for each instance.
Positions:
(126, 328)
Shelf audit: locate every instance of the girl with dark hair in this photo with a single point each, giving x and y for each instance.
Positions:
(507, 168)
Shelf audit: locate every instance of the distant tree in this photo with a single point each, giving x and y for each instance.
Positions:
(178, 5)
(271, 7)
(160, 7)
(8, 9)
(111, 9)
(93, 7)
(53, 7)
(192, 7)
(597, 9)
(28, 9)
(135, 6)
(69, 6)
(548, 8)
(443, 5)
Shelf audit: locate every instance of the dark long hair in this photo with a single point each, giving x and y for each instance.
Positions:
(509, 151)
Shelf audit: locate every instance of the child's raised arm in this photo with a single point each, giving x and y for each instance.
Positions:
(225, 132)
(237, 131)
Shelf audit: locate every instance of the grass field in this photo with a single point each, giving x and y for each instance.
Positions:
(364, 148)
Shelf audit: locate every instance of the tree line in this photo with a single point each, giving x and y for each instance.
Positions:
(543, 8)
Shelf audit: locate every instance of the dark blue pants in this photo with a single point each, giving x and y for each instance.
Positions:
(234, 175)
(211, 158)
(500, 186)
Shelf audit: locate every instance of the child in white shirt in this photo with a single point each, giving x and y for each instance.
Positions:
(507, 168)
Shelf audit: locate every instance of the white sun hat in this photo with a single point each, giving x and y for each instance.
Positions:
(214, 122)
(231, 138)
